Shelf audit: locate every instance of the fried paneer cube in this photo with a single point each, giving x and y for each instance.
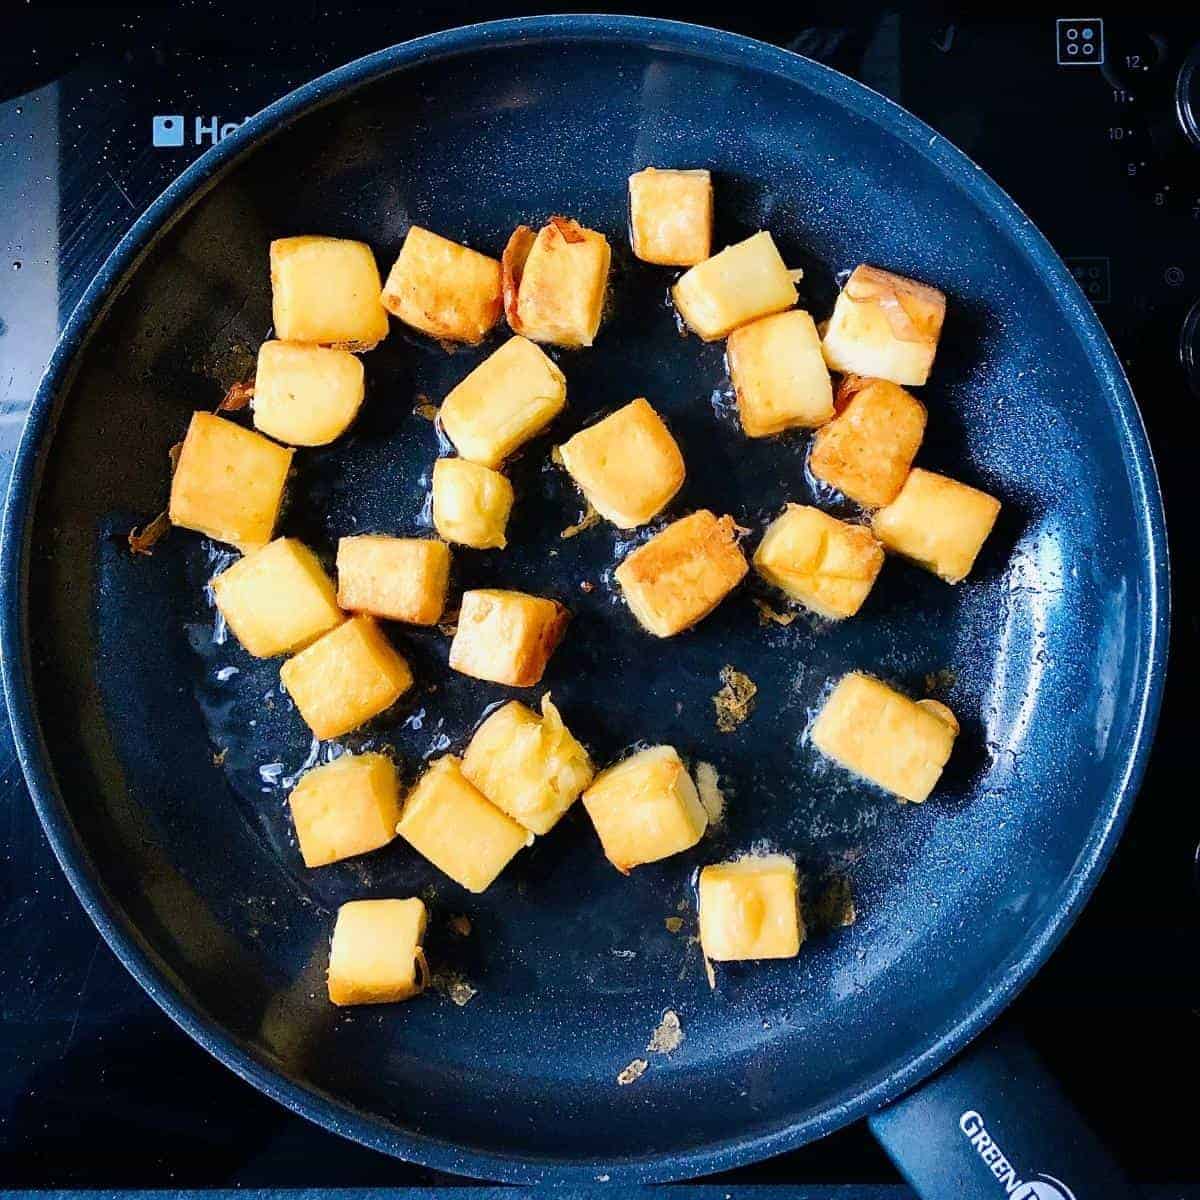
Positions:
(828, 565)
(529, 766)
(376, 955)
(743, 282)
(885, 326)
(749, 909)
(866, 451)
(450, 822)
(645, 808)
(899, 744)
(345, 678)
(402, 579)
(560, 277)
(938, 522)
(471, 504)
(326, 290)
(306, 395)
(278, 599)
(346, 807)
(506, 637)
(671, 216)
(228, 482)
(682, 573)
(628, 465)
(509, 398)
(443, 289)
(779, 374)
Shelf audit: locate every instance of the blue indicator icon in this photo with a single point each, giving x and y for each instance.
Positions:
(168, 131)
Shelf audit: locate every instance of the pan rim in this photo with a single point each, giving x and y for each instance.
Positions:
(123, 937)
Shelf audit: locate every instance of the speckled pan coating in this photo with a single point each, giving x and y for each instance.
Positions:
(121, 697)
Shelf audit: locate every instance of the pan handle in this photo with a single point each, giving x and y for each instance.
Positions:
(995, 1124)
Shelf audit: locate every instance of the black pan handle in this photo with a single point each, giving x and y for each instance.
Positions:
(995, 1125)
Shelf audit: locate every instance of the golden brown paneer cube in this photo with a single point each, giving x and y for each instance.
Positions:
(345, 678)
(449, 821)
(509, 398)
(866, 451)
(506, 637)
(628, 465)
(671, 216)
(682, 573)
(885, 326)
(528, 766)
(828, 565)
(471, 504)
(326, 290)
(749, 909)
(443, 289)
(402, 579)
(743, 282)
(560, 284)
(306, 395)
(346, 807)
(278, 599)
(779, 375)
(938, 522)
(899, 744)
(645, 808)
(376, 956)
(228, 482)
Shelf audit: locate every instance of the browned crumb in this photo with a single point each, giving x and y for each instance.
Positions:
(454, 986)
(460, 925)
(144, 538)
(218, 757)
(767, 614)
(940, 681)
(238, 396)
(633, 1072)
(425, 408)
(735, 700)
(673, 924)
(586, 585)
(667, 1035)
(589, 518)
(833, 907)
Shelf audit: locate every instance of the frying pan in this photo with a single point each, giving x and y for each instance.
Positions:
(159, 754)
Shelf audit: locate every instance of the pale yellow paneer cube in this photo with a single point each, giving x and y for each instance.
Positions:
(376, 956)
(306, 395)
(939, 523)
(530, 767)
(671, 216)
(885, 326)
(682, 573)
(899, 744)
(345, 678)
(443, 289)
(278, 599)
(779, 375)
(645, 808)
(450, 822)
(346, 807)
(750, 909)
(743, 282)
(228, 482)
(562, 282)
(471, 504)
(509, 398)
(866, 451)
(326, 290)
(828, 565)
(402, 579)
(628, 465)
(506, 637)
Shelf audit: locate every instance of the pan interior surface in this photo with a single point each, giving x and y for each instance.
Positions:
(173, 750)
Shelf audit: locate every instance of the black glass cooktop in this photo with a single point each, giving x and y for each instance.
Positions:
(1093, 125)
